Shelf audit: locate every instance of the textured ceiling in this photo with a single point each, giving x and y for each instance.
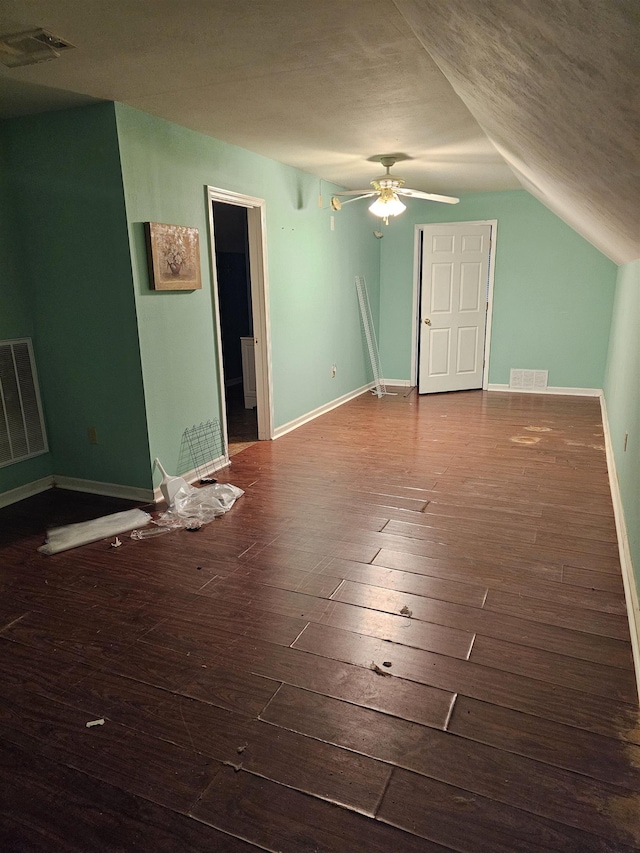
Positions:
(479, 95)
(555, 86)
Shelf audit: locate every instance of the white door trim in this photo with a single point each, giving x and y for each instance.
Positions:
(415, 325)
(257, 230)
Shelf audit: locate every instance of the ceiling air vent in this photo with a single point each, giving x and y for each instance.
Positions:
(31, 47)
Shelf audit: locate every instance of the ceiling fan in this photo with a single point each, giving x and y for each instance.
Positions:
(387, 189)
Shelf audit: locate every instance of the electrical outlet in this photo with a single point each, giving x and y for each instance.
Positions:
(334, 370)
(93, 435)
(333, 223)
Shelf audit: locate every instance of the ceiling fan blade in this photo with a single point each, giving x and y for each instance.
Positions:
(356, 192)
(356, 198)
(446, 199)
(338, 204)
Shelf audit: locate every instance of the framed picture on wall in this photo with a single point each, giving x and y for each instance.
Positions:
(174, 256)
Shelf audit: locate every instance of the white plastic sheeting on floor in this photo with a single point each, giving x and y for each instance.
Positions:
(193, 507)
(73, 535)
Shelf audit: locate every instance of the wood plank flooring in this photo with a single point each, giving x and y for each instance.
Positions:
(408, 635)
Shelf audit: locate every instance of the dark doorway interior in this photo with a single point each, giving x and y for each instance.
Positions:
(236, 322)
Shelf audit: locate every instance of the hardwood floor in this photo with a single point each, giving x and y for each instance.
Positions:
(242, 424)
(408, 635)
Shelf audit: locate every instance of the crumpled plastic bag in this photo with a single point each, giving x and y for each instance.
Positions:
(193, 507)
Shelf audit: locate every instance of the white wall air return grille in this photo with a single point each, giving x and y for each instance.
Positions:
(22, 433)
(528, 380)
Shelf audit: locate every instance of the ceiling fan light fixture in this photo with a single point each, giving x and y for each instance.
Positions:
(388, 189)
(387, 204)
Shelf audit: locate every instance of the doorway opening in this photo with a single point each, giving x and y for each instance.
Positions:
(238, 257)
(233, 274)
(453, 299)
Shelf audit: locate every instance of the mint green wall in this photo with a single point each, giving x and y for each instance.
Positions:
(313, 307)
(553, 292)
(622, 395)
(115, 355)
(16, 320)
(73, 261)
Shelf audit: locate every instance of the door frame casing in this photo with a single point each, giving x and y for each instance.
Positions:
(257, 230)
(417, 269)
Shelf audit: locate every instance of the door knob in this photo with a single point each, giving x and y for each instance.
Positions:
(427, 321)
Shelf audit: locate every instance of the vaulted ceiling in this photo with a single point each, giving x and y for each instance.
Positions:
(479, 95)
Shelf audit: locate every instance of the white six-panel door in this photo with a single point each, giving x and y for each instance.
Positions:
(453, 306)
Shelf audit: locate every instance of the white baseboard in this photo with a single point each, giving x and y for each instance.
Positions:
(26, 491)
(628, 579)
(568, 392)
(95, 487)
(321, 410)
(399, 383)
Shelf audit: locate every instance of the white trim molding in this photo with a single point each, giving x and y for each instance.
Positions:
(417, 270)
(26, 491)
(258, 265)
(569, 392)
(321, 410)
(628, 579)
(95, 487)
(398, 383)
